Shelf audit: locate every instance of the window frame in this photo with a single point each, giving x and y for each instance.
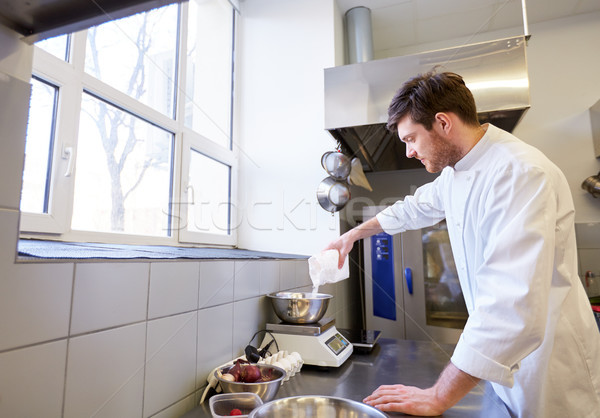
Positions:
(72, 81)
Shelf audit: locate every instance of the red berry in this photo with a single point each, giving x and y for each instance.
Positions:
(235, 411)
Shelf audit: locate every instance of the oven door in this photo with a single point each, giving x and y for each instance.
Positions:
(411, 286)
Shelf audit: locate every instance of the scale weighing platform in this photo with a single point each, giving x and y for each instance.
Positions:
(319, 344)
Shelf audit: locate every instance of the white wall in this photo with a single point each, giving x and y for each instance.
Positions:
(283, 48)
(564, 65)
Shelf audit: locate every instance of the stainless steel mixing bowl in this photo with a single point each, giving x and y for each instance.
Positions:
(299, 307)
(265, 390)
(315, 406)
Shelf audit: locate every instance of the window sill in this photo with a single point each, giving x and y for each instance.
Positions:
(34, 250)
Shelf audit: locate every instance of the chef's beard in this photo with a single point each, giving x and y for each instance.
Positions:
(443, 154)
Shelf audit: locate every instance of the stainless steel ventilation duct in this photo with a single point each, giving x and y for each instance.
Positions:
(360, 35)
(357, 95)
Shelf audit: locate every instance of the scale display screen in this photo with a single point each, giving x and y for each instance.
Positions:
(337, 343)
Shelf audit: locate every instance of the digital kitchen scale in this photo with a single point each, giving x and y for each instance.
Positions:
(362, 339)
(319, 344)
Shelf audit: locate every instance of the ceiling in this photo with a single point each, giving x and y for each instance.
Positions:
(401, 23)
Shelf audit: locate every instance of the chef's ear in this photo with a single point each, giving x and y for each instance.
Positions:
(444, 121)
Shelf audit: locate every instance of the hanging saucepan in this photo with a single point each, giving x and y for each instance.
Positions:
(336, 164)
(592, 185)
(333, 194)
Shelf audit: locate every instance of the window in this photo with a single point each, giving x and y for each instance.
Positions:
(129, 140)
(39, 145)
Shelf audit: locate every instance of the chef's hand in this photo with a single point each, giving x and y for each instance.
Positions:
(344, 243)
(407, 399)
(452, 385)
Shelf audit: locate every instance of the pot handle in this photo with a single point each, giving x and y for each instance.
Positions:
(409, 279)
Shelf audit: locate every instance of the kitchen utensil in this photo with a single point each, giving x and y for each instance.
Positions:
(336, 164)
(332, 194)
(592, 185)
(315, 406)
(252, 354)
(299, 307)
(265, 390)
(357, 175)
(319, 344)
(222, 404)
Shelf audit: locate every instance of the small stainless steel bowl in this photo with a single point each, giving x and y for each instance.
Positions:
(265, 390)
(315, 406)
(299, 307)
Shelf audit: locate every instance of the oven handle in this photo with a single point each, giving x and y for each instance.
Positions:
(409, 279)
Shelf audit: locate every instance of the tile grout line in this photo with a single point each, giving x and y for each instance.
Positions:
(199, 279)
(146, 340)
(64, 397)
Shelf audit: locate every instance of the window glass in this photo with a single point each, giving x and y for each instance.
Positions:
(57, 46)
(137, 56)
(444, 302)
(123, 172)
(38, 147)
(209, 78)
(209, 205)
(119, 129)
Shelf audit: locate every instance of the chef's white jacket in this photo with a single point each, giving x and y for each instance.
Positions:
(531, 331)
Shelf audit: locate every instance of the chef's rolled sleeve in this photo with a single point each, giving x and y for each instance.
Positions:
(475, 363)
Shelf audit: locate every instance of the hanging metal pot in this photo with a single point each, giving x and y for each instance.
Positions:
(592, 185)
(336, 164)
(332, 194)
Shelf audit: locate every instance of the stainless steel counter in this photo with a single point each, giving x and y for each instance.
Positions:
(415, 363)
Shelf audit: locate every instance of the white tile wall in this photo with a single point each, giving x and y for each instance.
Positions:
(215, 340)
(247, 279)
(143, 335)
(35, 303)
(173, 288)
(9, 225)
(246, 321)
(269, 277)
(32, 381)
(12, 147)
(287, 276)
(108, 295)
(302, 276)
(170, 361)
(105, 373)
(216, 283)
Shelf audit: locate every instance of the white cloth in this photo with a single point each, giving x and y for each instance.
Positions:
(531, 331)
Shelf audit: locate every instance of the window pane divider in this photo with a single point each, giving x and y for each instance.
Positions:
(126, 103)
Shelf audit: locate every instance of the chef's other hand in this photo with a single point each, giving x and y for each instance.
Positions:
(407, 399)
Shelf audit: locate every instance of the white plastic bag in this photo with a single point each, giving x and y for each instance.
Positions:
(323, 268)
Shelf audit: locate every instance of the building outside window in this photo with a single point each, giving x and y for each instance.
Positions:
(129, 134)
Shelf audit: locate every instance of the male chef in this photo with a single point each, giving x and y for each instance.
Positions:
(510, 216)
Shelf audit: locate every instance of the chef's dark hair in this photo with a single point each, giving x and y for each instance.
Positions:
(423, 96)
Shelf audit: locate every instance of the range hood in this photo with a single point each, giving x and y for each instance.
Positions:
(357, 95)
(42, 19)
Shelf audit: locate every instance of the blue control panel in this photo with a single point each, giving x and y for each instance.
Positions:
(382, 262)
